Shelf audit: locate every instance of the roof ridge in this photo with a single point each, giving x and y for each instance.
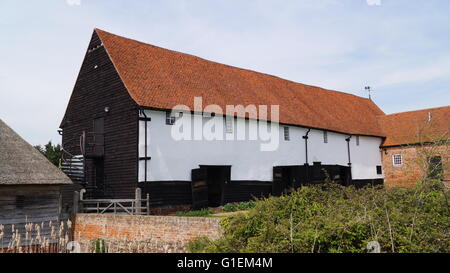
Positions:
(232, 66)
(419, 110)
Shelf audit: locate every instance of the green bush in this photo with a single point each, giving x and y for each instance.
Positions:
(246, 205)
(335, 219)
(232, 207)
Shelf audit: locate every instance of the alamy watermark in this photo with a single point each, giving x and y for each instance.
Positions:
(235, 123)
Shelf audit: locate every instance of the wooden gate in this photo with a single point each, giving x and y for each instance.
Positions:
(136, 206)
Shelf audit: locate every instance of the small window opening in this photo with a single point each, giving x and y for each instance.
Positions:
(325, 137)
(379, 170)
(170, 119)
(287, 136)
(397, 160)
(357, 140)
(435, 168)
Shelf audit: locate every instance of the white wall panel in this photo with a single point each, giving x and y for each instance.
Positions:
(174, 160)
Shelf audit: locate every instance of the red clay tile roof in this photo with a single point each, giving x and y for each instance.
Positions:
(161, 78)
(415, 127)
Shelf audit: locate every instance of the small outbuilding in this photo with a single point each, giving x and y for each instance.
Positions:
(416, 146)
(30, 186)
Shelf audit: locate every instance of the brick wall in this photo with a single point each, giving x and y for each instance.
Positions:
(148, 234)
(414, 167)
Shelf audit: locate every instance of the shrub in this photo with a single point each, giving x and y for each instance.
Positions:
(199, 245)
(232, 207)
(331, 218)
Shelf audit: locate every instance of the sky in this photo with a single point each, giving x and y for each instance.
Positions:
(401, 48)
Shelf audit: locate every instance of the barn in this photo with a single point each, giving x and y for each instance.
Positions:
(143, 116)
(30, 186)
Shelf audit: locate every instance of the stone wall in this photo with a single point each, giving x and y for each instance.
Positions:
(414, 164)
(145, 234)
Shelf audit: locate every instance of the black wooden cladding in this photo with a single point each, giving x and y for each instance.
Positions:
(99, 86)
(172, 193)
(361, 183)
(286, 177)
(242, 191)
(199, 188)
(167, 193)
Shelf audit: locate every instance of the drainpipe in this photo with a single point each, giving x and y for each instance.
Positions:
(349, 158)
(306, 137)
(348, 149)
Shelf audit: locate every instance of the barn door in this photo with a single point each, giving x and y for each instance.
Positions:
(217, 178)
(199, 189)
(278, 181)
(296, 178)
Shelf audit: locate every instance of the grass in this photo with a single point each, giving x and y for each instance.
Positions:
(196, 213)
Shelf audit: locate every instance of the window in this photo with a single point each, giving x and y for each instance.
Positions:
(379, 170)
(170, 120)
(229, 125)
(357, 140)
(287, 137)
(397, 160)
(325, 137)
(435, 168)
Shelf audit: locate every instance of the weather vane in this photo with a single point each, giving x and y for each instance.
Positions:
(369, 89)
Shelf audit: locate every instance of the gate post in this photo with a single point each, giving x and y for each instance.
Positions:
(148, 204)
(80, 201)
(76, 200)
(138, 201)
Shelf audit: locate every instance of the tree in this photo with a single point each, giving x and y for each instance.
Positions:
(51, 152)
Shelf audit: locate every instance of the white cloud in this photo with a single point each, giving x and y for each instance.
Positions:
(398, 50)
(374, 2)
(419, 73)
(73, 2)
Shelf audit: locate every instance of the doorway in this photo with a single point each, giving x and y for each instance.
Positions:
(286, 178)
(208, 185)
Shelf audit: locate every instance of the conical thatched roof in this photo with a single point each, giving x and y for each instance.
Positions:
(22, 164)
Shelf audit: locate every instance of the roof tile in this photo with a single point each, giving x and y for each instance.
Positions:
(414, 127)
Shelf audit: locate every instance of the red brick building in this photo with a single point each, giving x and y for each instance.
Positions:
(416, 146)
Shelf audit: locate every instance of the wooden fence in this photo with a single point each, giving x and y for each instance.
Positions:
(136, 206)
